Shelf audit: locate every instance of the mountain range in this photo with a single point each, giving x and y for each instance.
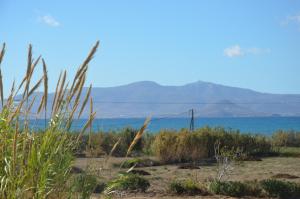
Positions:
(141, 99)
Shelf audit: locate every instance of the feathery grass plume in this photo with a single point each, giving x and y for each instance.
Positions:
(85, 101)
(16, 112)
(87, 125)
(41, 104)
(61, 99)
(30, 70)
(87, 59)
(56, 93)
(112, 151)
(1, 88)
(80, 89)
(114, 147)
(83, 68)
(29, 76)
(10, 98)
(77, 89)
(60, 92)
(80, 73)
(70, 119)
(29, 63)
(45, 83)
(2, 53)
(91, 54)
(138, 136)
(31, 104)
(1, 82)
(91, 112)
(36, 86)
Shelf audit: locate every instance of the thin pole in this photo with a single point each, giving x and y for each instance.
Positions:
(192, 120)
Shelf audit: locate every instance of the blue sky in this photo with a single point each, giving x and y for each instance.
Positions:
(252, 44)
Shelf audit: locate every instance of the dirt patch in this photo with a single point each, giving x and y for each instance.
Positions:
(285, 176)
(188, 166)
(76, 170)
(140, 172)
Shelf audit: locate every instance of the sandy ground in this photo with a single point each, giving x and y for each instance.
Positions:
(161, 176)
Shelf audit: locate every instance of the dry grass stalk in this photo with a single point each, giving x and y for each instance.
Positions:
(85, 101)
(2, 53)
(41, 104)
(85, 63)
(1, 82)
(31, 104)
(80, 89)
(36, 86)
(70, 119)
(87, 125)
(11, 95)
(60, 92)
(29, 63)
(62, 97)
(91, 112)
(82, 69)
(45, 83)
(114, 147)
(56, 92)
(16, 112)
(1, 88)
(138, 136)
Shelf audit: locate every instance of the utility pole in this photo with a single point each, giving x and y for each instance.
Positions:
(192, 120)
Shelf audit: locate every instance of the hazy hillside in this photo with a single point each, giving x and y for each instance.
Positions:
(209, 100)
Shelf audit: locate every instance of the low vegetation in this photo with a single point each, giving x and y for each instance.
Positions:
(187, 187)
(172, 146)
(127, 182)
(34, 165)
(235, 189)
(281, 189)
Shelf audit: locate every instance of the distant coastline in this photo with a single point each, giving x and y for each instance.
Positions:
(260, 125)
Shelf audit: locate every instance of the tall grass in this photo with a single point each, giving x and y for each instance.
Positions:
(35, 165)
(181, 146)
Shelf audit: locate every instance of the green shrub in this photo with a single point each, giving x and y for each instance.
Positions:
(165, 145)
(101, 143)
(129, 182)
(131, 162)
(138, 162)
(188, 187)
(281, 189)
(289, 151)
(84, 185)
(286, 138)
(181, 146)
(228, 188)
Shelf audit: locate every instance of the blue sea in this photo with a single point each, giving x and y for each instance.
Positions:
(257, 125)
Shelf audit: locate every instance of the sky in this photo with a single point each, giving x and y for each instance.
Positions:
(250, 44)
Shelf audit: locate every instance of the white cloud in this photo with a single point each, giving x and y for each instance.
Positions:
(292, 19)
(233, 51)
(237, 51)
(49, 20)
(295, 18)
(257, 51)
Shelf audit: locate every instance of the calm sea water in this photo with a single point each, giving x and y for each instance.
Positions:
(261, 125)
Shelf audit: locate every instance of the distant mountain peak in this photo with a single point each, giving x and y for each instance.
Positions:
(144, 98)
(143, 83)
